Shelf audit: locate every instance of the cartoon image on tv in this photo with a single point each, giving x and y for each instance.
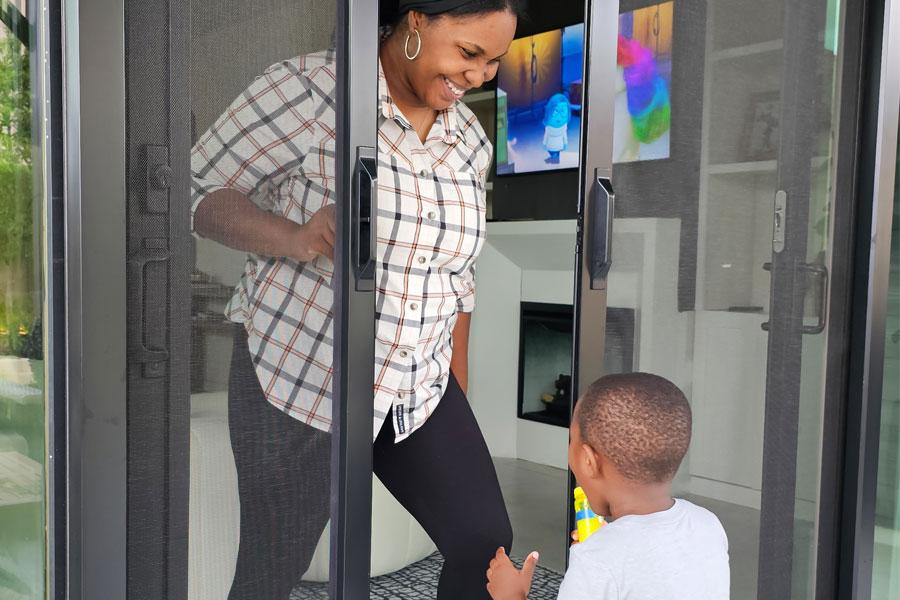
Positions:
(556, 127)
(539, 102)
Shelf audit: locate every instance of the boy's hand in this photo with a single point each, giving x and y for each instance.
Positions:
(505, 581)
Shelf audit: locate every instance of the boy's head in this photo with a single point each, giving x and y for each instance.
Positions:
(628, 431)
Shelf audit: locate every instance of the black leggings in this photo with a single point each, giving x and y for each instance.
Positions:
(442, 474)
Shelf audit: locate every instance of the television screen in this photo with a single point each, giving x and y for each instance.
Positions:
(539, 102)
(643, 114)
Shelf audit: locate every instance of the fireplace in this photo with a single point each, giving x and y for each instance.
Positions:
(545, 357)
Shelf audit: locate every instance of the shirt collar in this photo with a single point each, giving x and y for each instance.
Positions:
(448, 118)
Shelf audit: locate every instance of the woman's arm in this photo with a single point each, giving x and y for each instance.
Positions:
(459, 362)
(264, 147)
(227, 216)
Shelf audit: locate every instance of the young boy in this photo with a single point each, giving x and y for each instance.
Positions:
(629, 434)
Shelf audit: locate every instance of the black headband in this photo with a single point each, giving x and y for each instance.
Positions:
(432, 7)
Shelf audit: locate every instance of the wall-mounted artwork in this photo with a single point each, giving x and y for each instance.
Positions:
(643, 115)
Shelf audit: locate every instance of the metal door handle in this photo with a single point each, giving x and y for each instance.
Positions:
(139, 351)
(821, 274)
(362, 232)
(600, 230)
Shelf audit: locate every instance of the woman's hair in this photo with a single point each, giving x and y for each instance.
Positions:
(554, 101)
(390, 14)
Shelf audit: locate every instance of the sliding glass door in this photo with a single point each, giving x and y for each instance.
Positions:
(223, 420)
(221, 377)
(722, 249)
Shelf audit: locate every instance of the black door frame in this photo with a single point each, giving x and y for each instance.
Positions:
(596, 207)
(158, 292)
(873, 187)
(94, 128)
(790, 281)
(353, 409)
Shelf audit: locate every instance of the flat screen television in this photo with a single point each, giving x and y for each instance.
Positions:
(539, 102)
(539, 94)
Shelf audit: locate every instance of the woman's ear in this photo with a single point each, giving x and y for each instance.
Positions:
(414, 20)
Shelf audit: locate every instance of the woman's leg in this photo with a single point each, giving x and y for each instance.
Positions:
(283, 469)
(444, 476)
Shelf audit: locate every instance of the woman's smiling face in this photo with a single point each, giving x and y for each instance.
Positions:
(458, 54)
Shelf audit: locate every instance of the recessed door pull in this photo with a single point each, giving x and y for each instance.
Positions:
(600, 230)
(820, 274)
(362, 231)
(153, 361)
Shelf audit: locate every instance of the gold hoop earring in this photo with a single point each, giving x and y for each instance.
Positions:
(418, 45)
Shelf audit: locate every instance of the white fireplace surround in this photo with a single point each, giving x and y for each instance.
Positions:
(534, 262)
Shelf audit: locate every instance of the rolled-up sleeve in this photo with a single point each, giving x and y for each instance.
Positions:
(465, 301)
(261, 138)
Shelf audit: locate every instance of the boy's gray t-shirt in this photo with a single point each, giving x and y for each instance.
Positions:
(679, 553)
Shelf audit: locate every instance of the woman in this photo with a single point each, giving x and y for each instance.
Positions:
(263, 183)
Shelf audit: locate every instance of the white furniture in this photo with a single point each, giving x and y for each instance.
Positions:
(397, 539)
(534, 262)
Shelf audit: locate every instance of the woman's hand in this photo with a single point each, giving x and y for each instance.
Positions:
(230, 218)
(315, 237)
(505, 581)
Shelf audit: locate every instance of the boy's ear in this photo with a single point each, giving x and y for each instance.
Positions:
(592, 463)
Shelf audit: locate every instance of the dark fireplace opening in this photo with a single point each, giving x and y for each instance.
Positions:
(545, 357)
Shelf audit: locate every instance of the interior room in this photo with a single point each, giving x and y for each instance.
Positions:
(688, 294)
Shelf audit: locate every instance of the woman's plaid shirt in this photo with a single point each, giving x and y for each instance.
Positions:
(275, 144)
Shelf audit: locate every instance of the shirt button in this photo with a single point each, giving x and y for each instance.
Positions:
(432, 215)
(422, 260)
(404, 354)
(400, 395)
(423, 173)
(413, 306)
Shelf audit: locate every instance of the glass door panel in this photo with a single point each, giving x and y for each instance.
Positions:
(260, 462)
(243, 181)
(520, 347)
(23, 462)
(723, 228)
(886, 565)
(260, 472)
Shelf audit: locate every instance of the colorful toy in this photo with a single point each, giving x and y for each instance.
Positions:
(587, 522)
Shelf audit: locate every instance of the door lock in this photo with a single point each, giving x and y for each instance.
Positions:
(779, 218)
(159, 179)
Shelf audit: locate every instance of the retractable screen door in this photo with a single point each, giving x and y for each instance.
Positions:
(249, 443)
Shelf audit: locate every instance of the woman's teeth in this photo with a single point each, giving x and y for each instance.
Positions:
(455, 90)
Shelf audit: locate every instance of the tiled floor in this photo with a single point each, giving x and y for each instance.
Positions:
(536, 498)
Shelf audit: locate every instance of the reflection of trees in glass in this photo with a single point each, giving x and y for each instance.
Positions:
(16, 201)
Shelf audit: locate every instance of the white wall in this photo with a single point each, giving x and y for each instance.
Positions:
(534, 262)
(494, 338)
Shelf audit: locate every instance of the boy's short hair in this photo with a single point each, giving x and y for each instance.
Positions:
(640, 422)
